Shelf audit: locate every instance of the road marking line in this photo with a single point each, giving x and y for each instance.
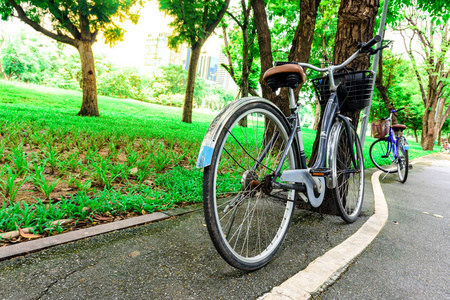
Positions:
(325, 269)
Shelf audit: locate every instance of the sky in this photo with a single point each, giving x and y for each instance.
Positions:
(130, 52)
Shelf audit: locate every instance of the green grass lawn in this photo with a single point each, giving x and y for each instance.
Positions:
(135, 158)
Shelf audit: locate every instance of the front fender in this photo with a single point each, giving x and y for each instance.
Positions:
(214, 130)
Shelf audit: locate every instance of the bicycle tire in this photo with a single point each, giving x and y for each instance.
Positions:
(402, 160)
(349, 191)
(378, 155)
(246, 225)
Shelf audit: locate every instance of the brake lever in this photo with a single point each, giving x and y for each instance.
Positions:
(374, 51)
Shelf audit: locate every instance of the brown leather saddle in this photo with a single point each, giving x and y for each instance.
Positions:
(284, 74)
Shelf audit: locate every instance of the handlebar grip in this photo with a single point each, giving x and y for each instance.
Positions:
(369, 44)
(399, 109)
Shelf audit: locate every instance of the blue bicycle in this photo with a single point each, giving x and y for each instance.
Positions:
(389, 153)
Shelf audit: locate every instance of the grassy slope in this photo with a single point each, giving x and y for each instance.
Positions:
(57, 108)
(51, 110)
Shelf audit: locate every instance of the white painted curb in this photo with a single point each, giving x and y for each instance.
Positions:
(327, 268)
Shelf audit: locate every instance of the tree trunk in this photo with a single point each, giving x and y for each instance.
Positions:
(192, 74)
(356, 22)
(415, 135)
(89, 106)
(245, 66)
(265, 47)
(317, 116)
(302, 42)
(2, 72)
(384, 89)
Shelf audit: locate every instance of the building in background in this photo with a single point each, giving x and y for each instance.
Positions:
(158, 54)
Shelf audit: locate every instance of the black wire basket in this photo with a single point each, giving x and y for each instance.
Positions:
(354, 89)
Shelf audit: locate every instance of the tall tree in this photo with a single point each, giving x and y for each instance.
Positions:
(356, 23)
(76, 23)
(300, 46)
(194, 21)
(324, 34)
(242, 50)
(2, 40)
(432, 33)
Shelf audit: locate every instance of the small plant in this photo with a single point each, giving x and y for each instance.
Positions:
(84, 186)
(73, 161)
(19, 158)
(41, 182)
(2, 150)
(52, 158)
(132, 157)
(144, 171)
(90, 155)
(122, 171)
(63, 167)
(72, 181)
(113, 151)
(10, 187)
(174, 156)
(160, 160)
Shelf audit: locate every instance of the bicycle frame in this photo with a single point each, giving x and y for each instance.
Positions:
(392, 144)
(301, 178)
(392, 141)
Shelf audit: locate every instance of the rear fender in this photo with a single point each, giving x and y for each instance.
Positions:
(214, 130)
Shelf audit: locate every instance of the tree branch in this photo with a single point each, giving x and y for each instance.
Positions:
(205, 14)
(23, 17)
(413, 60)
(227, 50)
(214, 24)
(64, 19)
(235, 19)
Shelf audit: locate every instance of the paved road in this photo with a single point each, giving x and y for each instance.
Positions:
(171, 259)
(410, 258)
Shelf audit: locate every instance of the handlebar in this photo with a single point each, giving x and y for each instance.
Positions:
(365, 47)
(362, 48)
(397, 110)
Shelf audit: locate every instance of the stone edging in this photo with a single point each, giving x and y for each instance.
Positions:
(39, 244)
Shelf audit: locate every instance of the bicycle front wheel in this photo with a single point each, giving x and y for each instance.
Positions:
(382, 156)
(246, 219)
(349, 191)
(402, 160)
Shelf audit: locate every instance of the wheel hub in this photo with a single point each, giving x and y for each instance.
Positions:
(249, 181)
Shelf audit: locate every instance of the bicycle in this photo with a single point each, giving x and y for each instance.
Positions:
(255, 166)
(445, 146)
(390, 154)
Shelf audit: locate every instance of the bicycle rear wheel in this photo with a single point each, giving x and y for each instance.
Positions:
(402, 160)
(247, 221)
(382, 156)
(349, 191)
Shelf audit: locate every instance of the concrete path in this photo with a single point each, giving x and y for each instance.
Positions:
(410, 258)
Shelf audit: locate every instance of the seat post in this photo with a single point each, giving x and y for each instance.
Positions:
(291, 96)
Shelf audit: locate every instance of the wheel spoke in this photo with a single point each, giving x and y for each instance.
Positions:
(348, 193)
(247, 224)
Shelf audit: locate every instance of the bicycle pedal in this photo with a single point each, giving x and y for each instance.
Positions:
(320, 172)
(384, 156)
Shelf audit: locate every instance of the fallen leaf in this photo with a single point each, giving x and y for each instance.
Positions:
(134, 254)
(28, 235)
(134, 171)
(100, 218)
